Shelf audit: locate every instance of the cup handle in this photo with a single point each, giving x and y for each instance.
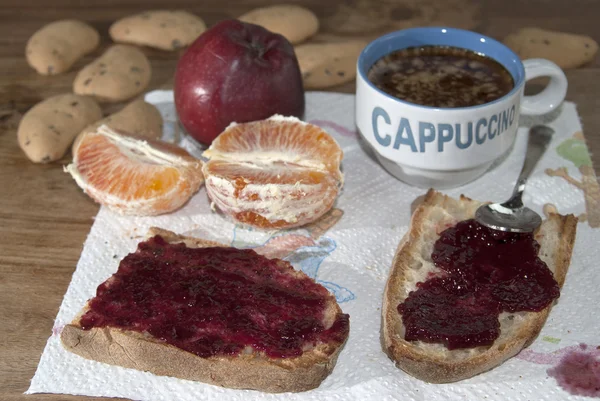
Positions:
(553, 95)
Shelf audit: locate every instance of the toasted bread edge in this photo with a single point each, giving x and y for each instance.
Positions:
(431, 368)
(254, 371)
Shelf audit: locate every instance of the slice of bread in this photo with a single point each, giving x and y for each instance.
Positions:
(249, 370)
(412, 263)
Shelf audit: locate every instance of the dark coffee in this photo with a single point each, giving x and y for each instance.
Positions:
(441, 76)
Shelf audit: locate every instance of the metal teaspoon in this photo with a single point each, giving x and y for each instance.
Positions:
(512, 215)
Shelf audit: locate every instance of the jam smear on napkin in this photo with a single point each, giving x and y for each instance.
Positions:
(579, 372)
(484, 272)
(214, 301)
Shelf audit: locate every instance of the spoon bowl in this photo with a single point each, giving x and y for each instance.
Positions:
(499, 217)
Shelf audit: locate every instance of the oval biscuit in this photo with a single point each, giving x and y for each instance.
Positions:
(121, 73)
(567, 50)
(295, 23)
(55, 47)
(47, 130)
(328, 64)
(161, 29)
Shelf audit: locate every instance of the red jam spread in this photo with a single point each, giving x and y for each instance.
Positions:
(483, 272)
(214, 301)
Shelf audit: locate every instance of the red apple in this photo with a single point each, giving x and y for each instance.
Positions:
(239, 72)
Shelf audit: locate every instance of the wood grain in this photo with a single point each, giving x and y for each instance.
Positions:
(45, 218)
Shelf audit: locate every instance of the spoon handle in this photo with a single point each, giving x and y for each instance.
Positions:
(539, 138)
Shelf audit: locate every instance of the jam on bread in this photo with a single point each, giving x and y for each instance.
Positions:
(483, 272)
(215, 301)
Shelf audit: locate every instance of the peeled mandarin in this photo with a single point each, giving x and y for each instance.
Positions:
(276, 173)
(134, 175)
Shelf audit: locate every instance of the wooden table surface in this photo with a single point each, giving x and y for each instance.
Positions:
(45, 217)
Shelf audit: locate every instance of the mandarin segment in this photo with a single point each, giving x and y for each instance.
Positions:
(278, 139)
(133, 175)
(274, 174)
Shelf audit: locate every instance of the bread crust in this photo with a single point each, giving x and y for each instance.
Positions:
(433, 362)
(253, 370)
